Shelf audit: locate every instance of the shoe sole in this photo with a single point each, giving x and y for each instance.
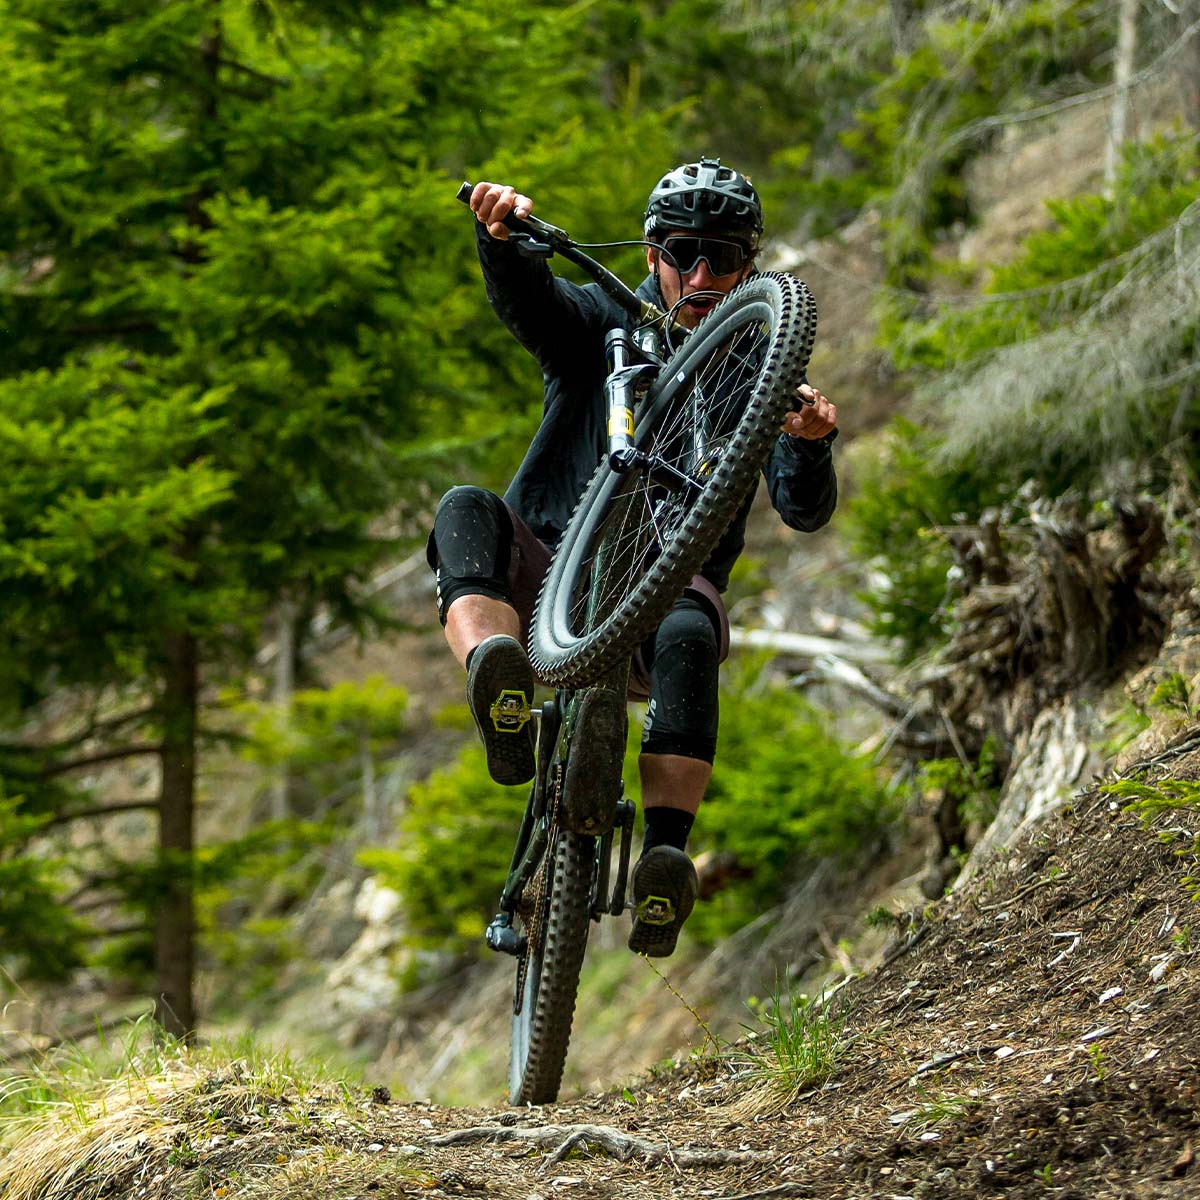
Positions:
(667, 887)
(593, 780)
(500, 694)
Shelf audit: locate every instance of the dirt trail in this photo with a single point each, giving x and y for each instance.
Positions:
(1035, 1035)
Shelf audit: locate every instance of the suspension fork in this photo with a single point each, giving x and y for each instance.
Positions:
(631, 370)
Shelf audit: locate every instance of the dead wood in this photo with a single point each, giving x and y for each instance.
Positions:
(587, 1138)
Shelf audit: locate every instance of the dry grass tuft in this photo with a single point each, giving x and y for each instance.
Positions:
(177, 1114)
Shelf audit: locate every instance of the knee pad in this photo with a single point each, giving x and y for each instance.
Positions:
(470, 547)
(682, 714)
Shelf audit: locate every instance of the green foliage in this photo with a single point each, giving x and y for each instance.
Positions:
(321, 724)
(799, 1044)
(1025, 381)
(326, 739)
(1165, 797)
(935, 1109)
(904, 498)
(783, 792)
(882, 917)
(917, 131)
(39, 937)
(1172, 694)
(973, 788)
(1054, 276)
(242, 888)
(455, 841)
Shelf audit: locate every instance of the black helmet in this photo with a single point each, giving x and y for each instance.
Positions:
(705, 198)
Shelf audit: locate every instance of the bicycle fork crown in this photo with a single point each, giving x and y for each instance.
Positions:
(510, 711)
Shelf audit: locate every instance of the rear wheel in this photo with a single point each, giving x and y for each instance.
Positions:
(548, 975)
(636, 538)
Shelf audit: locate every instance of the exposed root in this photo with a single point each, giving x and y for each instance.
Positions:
(604, 1138)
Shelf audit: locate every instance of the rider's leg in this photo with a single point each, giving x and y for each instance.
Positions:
(674, 784)
(472, 618)
(678, 742)
(474, 552)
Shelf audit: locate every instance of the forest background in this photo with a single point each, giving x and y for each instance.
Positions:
(244, 347)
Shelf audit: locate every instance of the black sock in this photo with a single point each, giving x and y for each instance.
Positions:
(666, 827)
(470, 655)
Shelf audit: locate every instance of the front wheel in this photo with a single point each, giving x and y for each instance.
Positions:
(548, 975)
(636, 538)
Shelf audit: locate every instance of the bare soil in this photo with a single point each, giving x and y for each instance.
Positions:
(1035, 1035)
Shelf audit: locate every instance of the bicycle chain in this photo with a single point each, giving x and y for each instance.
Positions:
(531, 907)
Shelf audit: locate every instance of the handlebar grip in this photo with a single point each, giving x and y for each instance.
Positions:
(530, 224)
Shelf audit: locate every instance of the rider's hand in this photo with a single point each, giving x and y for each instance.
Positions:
(816, 418)
(492, 202)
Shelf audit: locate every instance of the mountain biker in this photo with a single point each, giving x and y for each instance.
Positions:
(703, 223)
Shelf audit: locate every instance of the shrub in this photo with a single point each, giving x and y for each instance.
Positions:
(904, 496)
(455, 840)
(784, 791)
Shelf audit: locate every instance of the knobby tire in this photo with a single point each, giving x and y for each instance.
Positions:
(739, 371)
(541, 1028)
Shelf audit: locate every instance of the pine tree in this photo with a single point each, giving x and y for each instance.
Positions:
(242, 345)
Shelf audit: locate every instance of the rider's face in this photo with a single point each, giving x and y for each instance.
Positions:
(676, 284)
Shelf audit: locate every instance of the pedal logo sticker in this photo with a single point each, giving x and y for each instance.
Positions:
(656, 910)
(510, 712)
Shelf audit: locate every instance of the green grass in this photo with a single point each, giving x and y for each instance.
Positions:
(798, 1044)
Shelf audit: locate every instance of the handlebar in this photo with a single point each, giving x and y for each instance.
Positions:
(549, 239)
(551, 234)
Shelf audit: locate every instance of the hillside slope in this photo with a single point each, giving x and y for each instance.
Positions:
(1034, 1034)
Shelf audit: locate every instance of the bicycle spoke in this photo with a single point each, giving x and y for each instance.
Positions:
(701, 434)
(647, 517)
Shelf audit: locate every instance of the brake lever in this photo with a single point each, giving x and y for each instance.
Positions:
(529, 246)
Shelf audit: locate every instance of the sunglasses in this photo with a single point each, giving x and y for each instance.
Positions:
(723, 258)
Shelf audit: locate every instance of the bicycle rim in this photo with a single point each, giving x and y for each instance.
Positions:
(545, 1008)
(632, 544)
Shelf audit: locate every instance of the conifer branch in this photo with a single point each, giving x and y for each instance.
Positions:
(101, 757)
(98, 810)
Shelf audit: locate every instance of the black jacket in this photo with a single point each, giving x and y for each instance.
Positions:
(563, 326)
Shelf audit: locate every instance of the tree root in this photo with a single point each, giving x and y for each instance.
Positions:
(622, 1146)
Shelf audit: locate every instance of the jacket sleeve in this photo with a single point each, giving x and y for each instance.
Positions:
(801, 481)
(551, 317)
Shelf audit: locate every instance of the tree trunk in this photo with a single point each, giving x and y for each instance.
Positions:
(1189, 72)
(1119, 120)
(904, 20)
(282, 688)
(174, 936)
(175, 922)
(372, 805)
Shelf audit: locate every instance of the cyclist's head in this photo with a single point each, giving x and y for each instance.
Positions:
(705, 221)
(708, 200)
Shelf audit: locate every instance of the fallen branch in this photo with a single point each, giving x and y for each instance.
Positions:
(836, 670)
(808, 645)
(622, 1146)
